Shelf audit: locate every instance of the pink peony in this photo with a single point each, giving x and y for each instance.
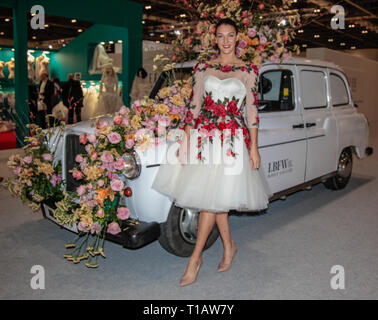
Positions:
(95, 228)
(130, 143)
(102, 124)
(47, 157)
(123, 110)
(28, 159)
(92, 138)
(107, 157)
(119, 164)
(123, 213)
(116, 185)
(17, 171)
(100, 213)
(77, 174)
(117, 120)
(80, 190)
(79, 158)
(251, 32)
(243, 44)
(56, 179)
(263, 40)
(114, 137)
(114, 228)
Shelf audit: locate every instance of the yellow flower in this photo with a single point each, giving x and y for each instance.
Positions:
(164, 92)
(93, 173)
(257, 60)
(46, 168)
(135, 122)
(87, 219)
(162, 108)
(186, 92)
(177, 100)
(174, 116)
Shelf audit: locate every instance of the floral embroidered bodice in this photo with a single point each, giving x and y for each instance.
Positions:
(227, 82)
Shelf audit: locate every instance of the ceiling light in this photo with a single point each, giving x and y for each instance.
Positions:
(46, 25)
(342, 44)
(330, 40)
(316, 36)
(119, 41)
(2, 33)
(73, 20)
(364, 31)
(351, 26)
(143, 22)
(7, 19)
(50, 46)
(304, 45)
(147, 7)
(80, 30)
(183, 15)
(300, 31)
(157, 41)
(34, 37)
(353, 48)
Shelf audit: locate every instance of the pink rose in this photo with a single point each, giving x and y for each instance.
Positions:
(123, 213)
(251, 32)
(114, 228)
(138, 109)
(261, 6)
(123, 110)
(79, 158)
(243, 44)
(119, 164)
(100, 213)
(83, 138)
(263, 40)
(100, 183)
(102, 124)
(117, 185)
(95, 228)
(246, 21)
(92, 138)
(93, 156)
(77, 174)
(114, 137)
(47, 157)
(125, 122)
(117, 120)
(28, 159)
(17, 171)
(129, 143)
(106, 157)
(80, 190)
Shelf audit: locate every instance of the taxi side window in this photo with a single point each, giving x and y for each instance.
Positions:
(339, 92)
(276, 91)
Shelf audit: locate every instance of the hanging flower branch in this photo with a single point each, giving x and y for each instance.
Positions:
(265, 31)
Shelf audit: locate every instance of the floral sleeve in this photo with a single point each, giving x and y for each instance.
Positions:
(197, 96)
(251, 99)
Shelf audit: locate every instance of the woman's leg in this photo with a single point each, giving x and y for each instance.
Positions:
(205, 225)
(228, 245)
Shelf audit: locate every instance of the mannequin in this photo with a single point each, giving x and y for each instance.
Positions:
(45, 65)
(31, 72)
(100, 60)
(1, 69)
(38, 70)
(11, 65)
(109, 100)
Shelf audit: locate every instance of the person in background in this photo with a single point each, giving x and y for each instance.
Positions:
(32, 102)
(46, 90)
(72, 96)
(56, 97)
(141, 86)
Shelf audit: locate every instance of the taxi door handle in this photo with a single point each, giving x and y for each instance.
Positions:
(297, 126)
(311, 124)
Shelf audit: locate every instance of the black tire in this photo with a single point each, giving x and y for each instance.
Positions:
(344, 168)
(178, 234)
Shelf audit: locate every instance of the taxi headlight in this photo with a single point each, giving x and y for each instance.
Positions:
(132, 167)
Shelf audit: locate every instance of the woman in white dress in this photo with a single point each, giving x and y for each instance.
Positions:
(207, 187)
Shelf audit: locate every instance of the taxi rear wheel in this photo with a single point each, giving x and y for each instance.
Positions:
(178, 234)
(344, 171)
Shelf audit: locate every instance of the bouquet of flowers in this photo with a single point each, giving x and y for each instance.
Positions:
(36, 176)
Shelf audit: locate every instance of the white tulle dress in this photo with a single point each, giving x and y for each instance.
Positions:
(207, 185)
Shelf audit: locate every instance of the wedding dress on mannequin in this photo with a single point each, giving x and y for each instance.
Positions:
(31, 71)
(2, 63)
(90, 103)
(45, 66)
(100, 60)
(11, 66)
(109, 99)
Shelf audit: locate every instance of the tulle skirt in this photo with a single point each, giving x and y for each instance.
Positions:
(213, 187)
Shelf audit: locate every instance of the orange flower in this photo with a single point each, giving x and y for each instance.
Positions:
(255, 41)
(102, 194)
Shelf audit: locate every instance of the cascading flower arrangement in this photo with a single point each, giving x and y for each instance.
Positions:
(265, 31)
(36, 176)
(100, 170)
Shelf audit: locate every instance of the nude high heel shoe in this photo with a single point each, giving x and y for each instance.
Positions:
(226, 266)
(189, 279)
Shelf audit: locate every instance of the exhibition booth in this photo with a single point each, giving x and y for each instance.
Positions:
(104, 58)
